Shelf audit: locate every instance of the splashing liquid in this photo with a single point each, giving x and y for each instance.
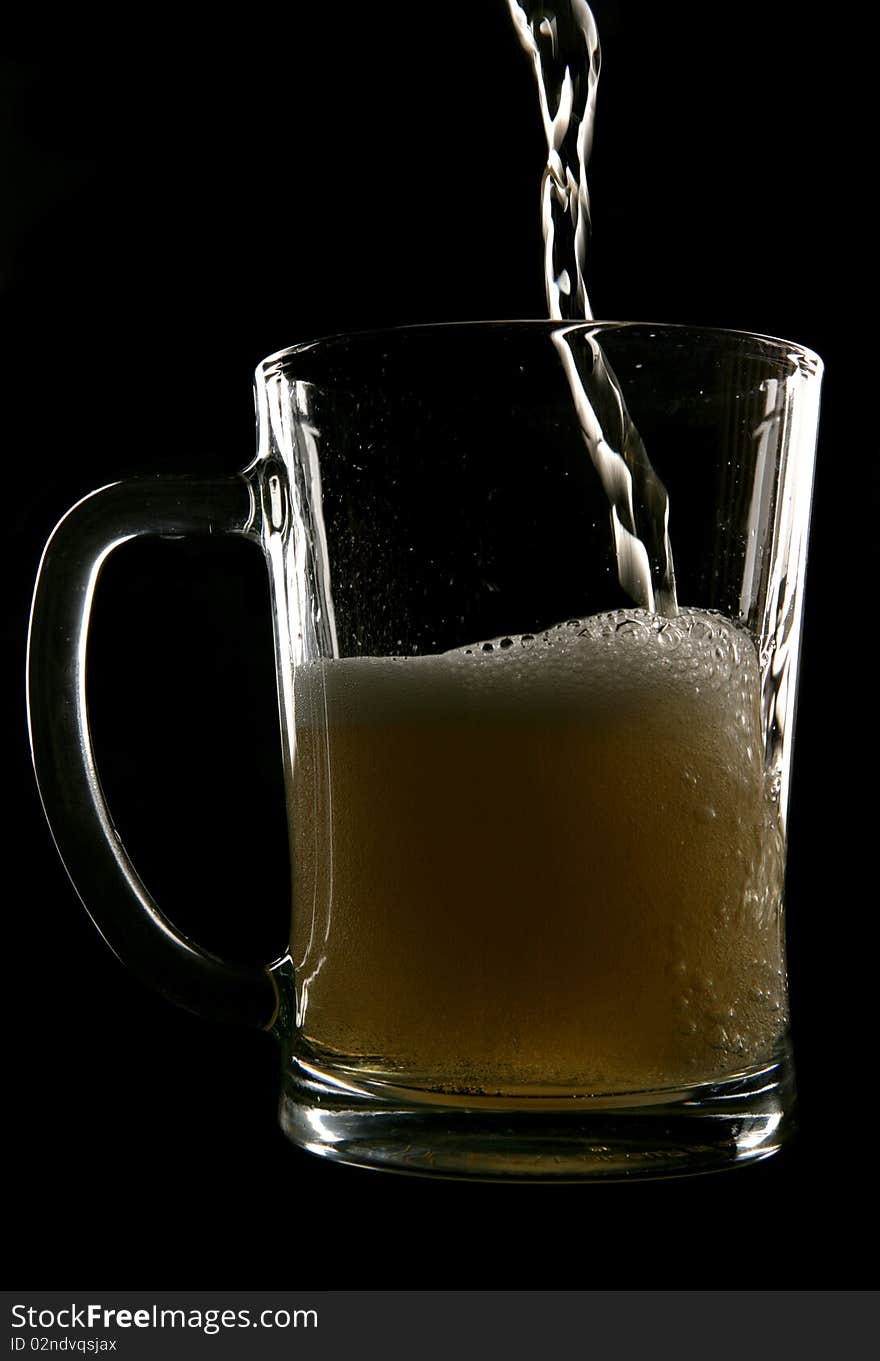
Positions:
(563, 44)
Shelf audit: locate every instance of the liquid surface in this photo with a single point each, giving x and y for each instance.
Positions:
(543, 863)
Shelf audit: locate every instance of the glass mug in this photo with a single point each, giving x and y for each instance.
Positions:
(537, 824)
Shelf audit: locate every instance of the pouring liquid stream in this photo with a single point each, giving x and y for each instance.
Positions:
(563, 45)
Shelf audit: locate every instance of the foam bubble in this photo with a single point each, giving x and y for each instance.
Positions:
(623, 660)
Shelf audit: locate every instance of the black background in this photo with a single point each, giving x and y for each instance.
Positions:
(185, 196)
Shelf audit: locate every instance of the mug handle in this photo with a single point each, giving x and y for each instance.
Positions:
(93, 855)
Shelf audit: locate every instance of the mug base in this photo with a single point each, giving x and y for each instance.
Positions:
(704, 1128)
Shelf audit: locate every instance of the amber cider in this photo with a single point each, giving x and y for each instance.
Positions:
(544, 864)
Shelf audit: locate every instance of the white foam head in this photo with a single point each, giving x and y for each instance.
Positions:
(613, 662)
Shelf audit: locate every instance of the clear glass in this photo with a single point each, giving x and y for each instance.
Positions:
(536, 591)
(537, 829)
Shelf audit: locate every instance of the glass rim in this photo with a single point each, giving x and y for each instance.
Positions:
(808, 361)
